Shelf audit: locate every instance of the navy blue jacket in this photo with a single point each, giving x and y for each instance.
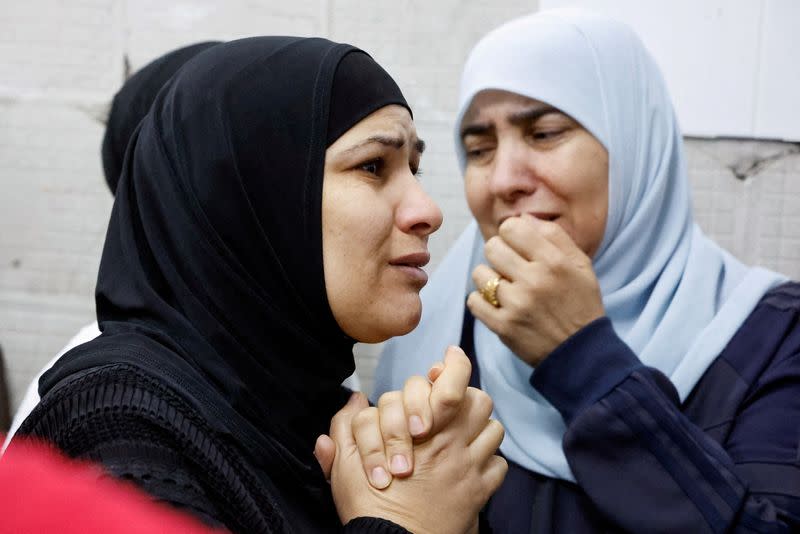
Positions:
(725, 460)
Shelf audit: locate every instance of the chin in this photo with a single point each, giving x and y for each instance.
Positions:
(394, 321)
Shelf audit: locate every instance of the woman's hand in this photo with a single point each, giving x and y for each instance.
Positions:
(455, 471)
(548, 289)
(385, 435)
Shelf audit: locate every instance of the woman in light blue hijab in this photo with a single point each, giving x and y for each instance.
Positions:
(647, 379)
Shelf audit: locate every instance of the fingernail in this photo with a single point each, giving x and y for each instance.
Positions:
(379, 477)
(399, 464)
(415, 425)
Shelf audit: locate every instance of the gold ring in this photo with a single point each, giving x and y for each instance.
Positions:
(489, 291)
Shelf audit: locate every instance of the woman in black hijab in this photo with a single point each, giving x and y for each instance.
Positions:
(226, 328)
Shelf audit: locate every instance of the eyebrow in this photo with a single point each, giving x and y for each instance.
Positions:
(394, 142)
(520, 117)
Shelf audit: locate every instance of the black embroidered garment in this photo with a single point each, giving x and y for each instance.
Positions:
(220, 361)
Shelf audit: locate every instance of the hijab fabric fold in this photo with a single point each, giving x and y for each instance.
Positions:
(132, 102)
(672, 294)
(211, 278)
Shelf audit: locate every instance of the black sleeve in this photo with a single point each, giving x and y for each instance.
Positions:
(373, 525)
(147, 436)
(159, 470)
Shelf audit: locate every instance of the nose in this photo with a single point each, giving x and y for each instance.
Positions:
(513, 175)
(417, 213)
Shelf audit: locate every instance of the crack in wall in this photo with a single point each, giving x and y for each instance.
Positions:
(743, 158)
(127, 70)
(748, 167)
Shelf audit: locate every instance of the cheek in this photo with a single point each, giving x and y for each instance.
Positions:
(479, 198)
(588, 197)
(357, 230)
(355, 237)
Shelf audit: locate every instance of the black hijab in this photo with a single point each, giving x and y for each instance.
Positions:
(211, 277)
(133, 101)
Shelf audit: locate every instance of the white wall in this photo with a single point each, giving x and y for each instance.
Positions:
(60, 63)
(730, 64)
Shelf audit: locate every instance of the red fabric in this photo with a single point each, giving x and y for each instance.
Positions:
(43, 491)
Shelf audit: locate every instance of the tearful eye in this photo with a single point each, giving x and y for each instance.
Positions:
(479, 155)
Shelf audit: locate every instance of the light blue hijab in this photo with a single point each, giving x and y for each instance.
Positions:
(672, 294)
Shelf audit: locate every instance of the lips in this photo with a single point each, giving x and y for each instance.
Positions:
(411, 266)
(541, 215)
(417, 259)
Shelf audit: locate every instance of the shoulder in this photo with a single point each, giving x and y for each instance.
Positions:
(114, 403)
(142, 430)
(785, 297)
(769, 339)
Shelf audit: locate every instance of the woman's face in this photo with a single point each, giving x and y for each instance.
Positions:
(523, 156)
(376, 220)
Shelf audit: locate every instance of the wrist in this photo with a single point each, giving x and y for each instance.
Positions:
(390, 515)
(584, 368)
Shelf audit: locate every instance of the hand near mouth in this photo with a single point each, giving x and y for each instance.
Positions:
(547, 291)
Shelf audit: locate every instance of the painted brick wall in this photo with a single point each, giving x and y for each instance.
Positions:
(60, 63)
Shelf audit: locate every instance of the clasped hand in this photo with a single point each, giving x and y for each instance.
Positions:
(442, 433)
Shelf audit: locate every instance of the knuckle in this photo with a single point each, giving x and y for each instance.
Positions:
(503, 329)
(502, 465)
(415, 383)
(550, 229)
(507, 226)
(476, 272)
(373, 458)
(396, 443)
(559, 264)
(449, 399)
(336, 420)
(390, 397)
(365, 418)
(482, 400)
(492, 244)
(498, 428)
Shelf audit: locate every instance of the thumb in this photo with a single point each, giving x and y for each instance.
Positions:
(341, 424)
(325, 452)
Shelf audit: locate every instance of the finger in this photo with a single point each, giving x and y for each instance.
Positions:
(416, 401)
(485, 445)
(368, 438)
(340, 430)
(524, 235)
(482, 274)
(476, 410)
(449, 389)
(325, 452)
(506, 261)
(395, 434)
(435, 371)
(486, 313)
(554, 233)
(494, 474)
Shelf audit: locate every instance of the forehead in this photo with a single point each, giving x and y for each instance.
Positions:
(391, 120)
(491, 104)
